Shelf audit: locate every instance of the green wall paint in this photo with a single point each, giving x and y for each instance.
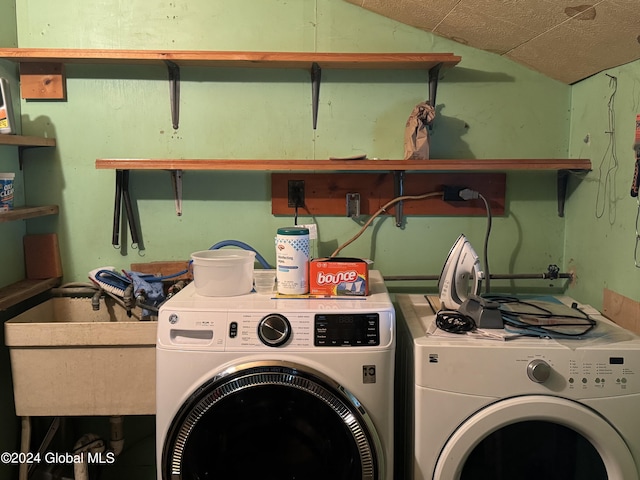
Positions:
(8, 33)
(489, 107)
(601, 215)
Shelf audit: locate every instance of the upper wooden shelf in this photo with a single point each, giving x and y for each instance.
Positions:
(23, 213)
(26, 141)
(234, 58)
(346, 165)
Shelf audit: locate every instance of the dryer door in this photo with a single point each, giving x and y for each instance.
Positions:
(272, 420)
(535, 437)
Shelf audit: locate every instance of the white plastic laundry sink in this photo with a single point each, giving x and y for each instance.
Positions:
(67, 359)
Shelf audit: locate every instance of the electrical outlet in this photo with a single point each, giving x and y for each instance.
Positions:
(295, 196)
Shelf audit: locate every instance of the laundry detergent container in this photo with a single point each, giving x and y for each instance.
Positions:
(223, 273)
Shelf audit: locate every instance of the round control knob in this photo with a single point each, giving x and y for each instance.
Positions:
(538, 371)
(274, 330)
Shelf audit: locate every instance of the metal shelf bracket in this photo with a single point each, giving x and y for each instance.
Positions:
(562, 183)
(434, 73)
(316, 76)
(174, 91)
(398, 191)
(176, 181)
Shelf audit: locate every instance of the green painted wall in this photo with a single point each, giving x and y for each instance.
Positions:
(601, 215)
(490, 108)
(8, 33)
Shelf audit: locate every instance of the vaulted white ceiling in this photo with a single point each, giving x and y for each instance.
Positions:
(565, 40)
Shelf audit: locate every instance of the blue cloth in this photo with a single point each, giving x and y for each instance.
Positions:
(151, 287)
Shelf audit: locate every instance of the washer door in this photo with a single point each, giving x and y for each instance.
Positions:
(271, 420)
(535, 437)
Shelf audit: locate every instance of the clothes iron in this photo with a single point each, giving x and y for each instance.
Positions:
(461, 276)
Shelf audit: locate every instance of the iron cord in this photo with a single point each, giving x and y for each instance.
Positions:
(537, 320)
(487, 275)
(452, 321)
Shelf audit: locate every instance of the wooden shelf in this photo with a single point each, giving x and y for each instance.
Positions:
(26, 141)
(561, 166)
(23, 213)
(499, 165)
(397, 61)
(42, 74)
(23, 290)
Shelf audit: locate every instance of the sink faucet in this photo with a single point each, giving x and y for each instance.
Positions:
(129, 301)
(95, 300)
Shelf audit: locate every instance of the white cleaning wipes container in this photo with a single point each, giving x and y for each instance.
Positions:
(223, 273)
(6, 191)
(292, 259)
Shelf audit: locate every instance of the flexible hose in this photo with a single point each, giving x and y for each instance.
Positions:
(244, 246)
(382, 210)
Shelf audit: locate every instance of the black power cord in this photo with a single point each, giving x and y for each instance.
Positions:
(453, 321)
(538, 320)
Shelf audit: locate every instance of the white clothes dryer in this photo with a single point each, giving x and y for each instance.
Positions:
(255, 387)
(525, 408)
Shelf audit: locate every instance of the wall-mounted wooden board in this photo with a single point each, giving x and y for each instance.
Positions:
(621, 310)
(325, 193)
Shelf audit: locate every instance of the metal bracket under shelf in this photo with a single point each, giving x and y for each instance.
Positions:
(434, 74)
(562, 184)
(176, 181)
(174, 92)
(398, 191)
(316, 79)
(22, 148)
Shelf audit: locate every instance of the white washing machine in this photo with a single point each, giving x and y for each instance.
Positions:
(253, 387)
(525, 408)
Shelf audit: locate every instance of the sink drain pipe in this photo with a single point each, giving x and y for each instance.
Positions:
(91, 444)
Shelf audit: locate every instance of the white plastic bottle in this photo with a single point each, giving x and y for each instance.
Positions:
(292, 260)
(7, 120)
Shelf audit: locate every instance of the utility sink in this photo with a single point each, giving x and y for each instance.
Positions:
(68, 359)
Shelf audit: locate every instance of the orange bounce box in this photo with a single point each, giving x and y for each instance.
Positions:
(339, 277)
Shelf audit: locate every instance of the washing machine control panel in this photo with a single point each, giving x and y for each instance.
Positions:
(248, 330)
(346, 329)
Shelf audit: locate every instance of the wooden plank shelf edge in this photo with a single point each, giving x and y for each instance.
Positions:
(27, 141)
(24, 290)
(233, 58)
(23, 213)
(346, 165)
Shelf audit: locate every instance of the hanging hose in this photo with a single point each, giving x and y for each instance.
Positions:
(237, 243)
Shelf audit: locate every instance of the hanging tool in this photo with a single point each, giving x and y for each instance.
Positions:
(122, 193)
(635, 184)
(115, 238)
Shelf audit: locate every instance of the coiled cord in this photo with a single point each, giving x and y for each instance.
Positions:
(453, 321)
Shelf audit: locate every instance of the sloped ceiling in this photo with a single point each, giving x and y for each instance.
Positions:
(565, 40)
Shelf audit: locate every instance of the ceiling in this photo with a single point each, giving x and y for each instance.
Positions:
(566, 40)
